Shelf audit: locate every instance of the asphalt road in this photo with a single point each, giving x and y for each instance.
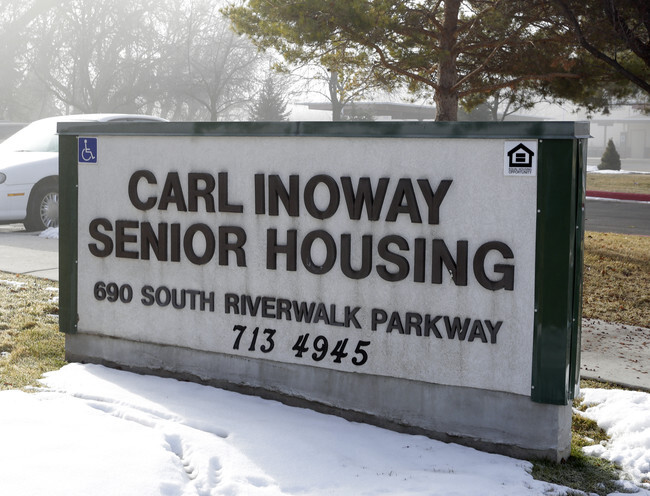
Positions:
(621, 217)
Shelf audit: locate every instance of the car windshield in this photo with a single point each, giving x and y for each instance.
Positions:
(39, 136)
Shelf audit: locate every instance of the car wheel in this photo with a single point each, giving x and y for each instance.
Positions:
(43, 207)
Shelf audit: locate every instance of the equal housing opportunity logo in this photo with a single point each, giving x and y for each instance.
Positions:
(520, 158)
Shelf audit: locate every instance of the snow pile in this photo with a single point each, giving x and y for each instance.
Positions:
(106, 432)
(50, 233)
(625, 416)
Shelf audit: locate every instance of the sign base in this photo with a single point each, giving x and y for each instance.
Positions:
(492, 421)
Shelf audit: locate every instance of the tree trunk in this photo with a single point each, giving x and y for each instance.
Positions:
(494, 107)
(337, 107)
(446, 97)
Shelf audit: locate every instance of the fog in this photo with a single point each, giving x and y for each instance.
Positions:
(176, 59)
(181, 60)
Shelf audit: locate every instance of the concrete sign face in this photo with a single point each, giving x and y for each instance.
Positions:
(406, 258)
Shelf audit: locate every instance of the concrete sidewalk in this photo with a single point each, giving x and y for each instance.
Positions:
(610, 352)
(24, 252)
(615, 353)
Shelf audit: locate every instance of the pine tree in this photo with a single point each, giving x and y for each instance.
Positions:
(610, 160)
(269, 105)
(457, 52)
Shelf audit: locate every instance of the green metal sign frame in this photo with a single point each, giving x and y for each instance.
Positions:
(560, 218)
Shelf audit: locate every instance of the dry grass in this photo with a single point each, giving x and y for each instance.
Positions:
(619, 183)
(617, 278)
(30, 341)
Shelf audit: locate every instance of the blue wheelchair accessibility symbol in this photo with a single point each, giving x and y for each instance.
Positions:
(87, 150)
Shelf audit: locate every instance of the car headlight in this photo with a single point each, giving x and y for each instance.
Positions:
(3, 178)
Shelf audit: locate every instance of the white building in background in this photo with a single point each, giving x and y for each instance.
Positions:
(628, 127)
(631, 136)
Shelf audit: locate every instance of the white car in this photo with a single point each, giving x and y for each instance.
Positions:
(29, 170)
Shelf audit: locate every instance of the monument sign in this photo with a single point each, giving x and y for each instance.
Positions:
(420, 276)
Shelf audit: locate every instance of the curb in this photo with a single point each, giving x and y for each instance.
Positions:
(618, 196)
(627, 385)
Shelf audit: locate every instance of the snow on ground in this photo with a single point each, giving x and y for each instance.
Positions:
(625, 416)
(15, 284)
(99, 431)
(50, 233)
(594, 169)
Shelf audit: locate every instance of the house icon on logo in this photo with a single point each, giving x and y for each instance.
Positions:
(520, 156)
